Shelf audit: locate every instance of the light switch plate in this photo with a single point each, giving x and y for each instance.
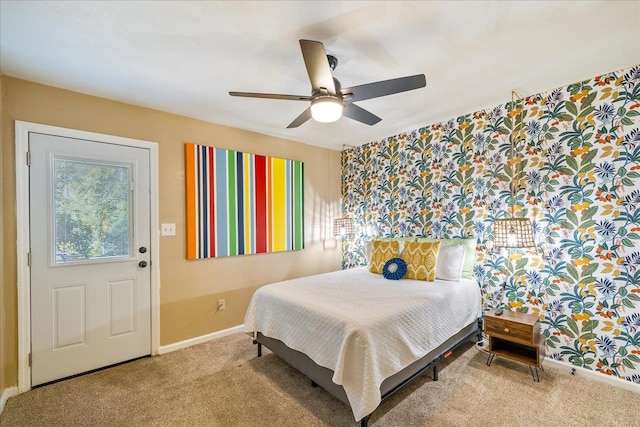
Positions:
(167, 229)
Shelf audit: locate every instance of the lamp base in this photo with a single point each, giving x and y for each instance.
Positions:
(499, 311)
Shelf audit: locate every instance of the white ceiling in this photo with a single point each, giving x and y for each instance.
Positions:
(184, 57)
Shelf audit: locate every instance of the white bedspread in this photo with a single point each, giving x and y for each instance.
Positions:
(360, 325)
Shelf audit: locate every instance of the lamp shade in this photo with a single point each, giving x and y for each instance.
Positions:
(344, 227)
(326, 109)
(513, 233)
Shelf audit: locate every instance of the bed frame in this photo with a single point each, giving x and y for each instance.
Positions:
(321, 376)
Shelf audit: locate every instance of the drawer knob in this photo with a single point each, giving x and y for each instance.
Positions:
(506, 330)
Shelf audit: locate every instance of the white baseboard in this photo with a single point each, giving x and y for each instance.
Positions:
(199, 340)
(6, 394)
(595, 375)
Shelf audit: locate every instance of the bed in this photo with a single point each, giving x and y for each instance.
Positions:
(360, 336)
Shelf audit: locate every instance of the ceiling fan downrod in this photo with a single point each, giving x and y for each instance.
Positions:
(333, 62)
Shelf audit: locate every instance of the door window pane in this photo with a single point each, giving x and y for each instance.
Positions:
(92, 203)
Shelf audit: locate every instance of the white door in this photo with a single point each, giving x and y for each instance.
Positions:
(90, 234)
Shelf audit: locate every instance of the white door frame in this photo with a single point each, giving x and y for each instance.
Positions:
(22, 130)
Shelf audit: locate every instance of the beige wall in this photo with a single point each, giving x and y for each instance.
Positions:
(2, 309)
(189, 289)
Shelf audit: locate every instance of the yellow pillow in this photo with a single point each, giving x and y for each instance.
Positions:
(421, 260)
(381, 252)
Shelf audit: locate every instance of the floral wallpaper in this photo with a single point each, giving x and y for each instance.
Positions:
(569, 159)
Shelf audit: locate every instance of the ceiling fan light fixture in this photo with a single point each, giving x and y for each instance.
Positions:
(326, 109)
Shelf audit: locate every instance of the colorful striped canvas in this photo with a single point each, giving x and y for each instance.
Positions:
(240, 203)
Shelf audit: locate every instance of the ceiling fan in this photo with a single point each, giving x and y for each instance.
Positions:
(329, 100)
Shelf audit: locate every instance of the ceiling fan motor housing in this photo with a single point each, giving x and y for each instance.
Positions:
(325, 92)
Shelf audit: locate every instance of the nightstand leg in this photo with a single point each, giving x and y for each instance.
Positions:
(535, 376)
(490, 359)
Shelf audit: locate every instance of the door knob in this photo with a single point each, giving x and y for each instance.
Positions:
(142, 249)
(142, 264)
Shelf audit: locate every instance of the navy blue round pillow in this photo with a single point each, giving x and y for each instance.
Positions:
(394, 269)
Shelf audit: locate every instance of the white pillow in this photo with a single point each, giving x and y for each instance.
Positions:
(450, 262)
(367, 251)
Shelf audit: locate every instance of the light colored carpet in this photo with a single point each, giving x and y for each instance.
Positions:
(223, 383)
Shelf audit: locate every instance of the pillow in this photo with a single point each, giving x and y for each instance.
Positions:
(368, 250)
(381, 252)
(399, 239)
(470, 251)
(450, 262)
(394, 269)
(421, 260)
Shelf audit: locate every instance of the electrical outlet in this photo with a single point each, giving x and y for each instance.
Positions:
(167, 229)
(221, 305)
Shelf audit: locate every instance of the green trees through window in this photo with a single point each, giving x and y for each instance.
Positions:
(92, 210)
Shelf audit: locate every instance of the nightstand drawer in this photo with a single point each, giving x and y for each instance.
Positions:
(508, 330)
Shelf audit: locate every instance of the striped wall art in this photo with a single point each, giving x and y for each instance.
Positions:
(240, 203)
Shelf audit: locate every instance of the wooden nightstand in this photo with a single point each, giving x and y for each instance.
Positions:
(515, 336)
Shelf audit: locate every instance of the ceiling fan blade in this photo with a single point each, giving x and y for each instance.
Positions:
(271, 96)
(306, 115)
(384, 87)
(315, 58)
(360, 114)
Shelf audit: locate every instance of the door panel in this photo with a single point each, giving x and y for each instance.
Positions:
(69, 321)
(90, 298)
(121, 307)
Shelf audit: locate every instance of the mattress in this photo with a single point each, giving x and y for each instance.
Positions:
(361, 326)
